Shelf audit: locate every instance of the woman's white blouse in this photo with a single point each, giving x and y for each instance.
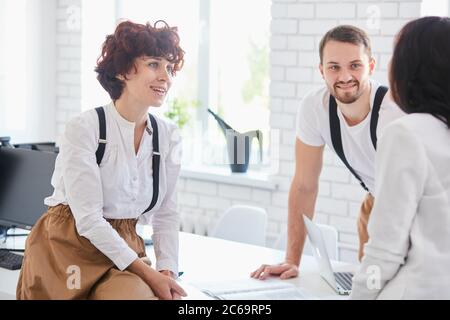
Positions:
(408, 253)
(121, 187)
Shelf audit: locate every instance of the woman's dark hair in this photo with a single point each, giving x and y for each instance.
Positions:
(130, 41)
(346, 33)
(420, 68)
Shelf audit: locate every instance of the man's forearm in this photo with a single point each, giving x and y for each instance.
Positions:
(301, 201)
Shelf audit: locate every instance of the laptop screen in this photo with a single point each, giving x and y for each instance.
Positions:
(319, 251)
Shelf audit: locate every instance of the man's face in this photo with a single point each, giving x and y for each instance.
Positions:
(346, 69)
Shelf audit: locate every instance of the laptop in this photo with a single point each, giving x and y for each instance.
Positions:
(341, 282)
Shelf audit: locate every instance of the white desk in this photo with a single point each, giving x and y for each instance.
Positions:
(210, 259)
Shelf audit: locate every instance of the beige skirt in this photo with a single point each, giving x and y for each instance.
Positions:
(61, 264)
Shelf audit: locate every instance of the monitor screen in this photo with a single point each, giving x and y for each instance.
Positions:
(25, 177)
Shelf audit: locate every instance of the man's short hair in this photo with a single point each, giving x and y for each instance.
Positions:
(349, 34)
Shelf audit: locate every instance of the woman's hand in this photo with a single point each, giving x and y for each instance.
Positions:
(172, 275)
(168, 273)
(164, 287)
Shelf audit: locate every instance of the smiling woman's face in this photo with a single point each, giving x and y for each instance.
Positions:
(346, 69)
(149, 82)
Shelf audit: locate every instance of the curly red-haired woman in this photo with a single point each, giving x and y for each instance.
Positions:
(118, 165)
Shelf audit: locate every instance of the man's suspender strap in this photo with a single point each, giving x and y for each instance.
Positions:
(379, 96)
(155, 158)
(335, 129)
(102, 139)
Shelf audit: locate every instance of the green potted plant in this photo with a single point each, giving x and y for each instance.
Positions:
(180, 111)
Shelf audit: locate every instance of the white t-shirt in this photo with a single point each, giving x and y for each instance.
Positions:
(313, 128)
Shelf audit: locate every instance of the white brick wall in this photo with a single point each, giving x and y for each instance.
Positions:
(296, 29)
(68, 62)
(332, 11)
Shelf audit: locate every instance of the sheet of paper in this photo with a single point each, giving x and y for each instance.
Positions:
(248, 288)
(272, 294)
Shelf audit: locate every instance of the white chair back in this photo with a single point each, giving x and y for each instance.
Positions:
(242, 223)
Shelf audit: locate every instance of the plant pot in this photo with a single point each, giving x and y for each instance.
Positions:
(239, 150)
(238, 145)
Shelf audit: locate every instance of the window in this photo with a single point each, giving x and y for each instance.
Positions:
(94, 28)
(13, 120)
(27, 70)
(238, 81)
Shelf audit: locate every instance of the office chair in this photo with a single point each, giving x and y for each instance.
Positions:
(330, 237)
(242, 223)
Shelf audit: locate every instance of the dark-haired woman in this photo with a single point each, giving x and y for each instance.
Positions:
(408, 254)
(117, 165)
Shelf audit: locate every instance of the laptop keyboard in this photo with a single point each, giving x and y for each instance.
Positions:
(344, 279)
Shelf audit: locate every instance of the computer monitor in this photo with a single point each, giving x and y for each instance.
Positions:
(25, 177)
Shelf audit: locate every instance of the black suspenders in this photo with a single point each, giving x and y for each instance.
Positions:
(335, 129)
(379, 96)
(102, 140)
(155, 158)
(155, 163)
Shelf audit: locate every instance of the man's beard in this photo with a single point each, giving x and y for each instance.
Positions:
(347, 97)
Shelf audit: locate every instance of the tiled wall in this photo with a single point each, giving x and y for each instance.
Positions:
(296, 29)
(68, 63)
